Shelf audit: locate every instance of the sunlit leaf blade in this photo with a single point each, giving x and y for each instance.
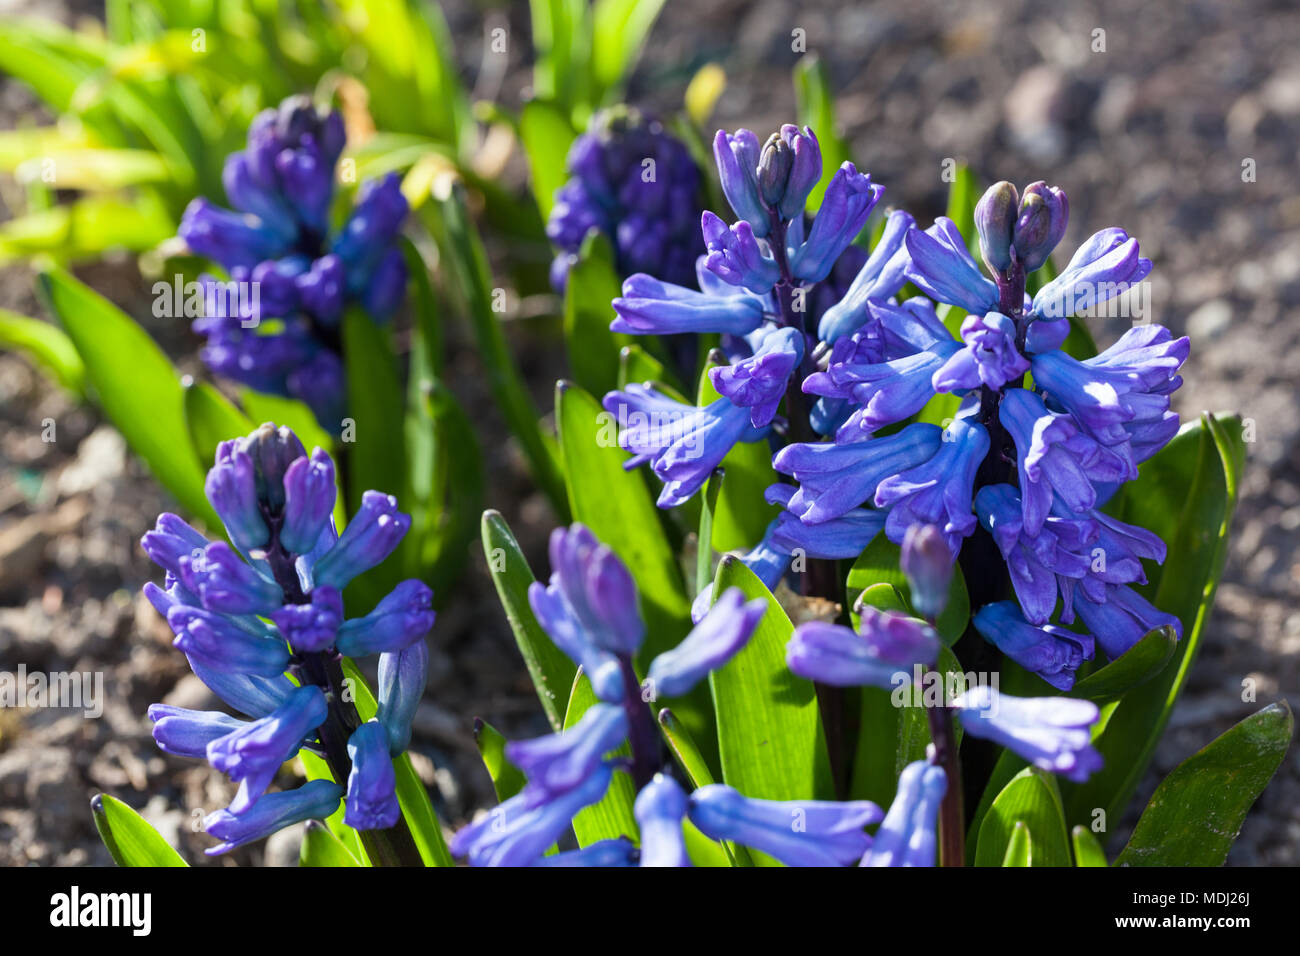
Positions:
(1087, 851)
(1020, 850)
(816, 108)
(211, 419)
(1143, 661)
(130, 840)
(1032, 798)
(1197, 811)
(507, 779)
(611, 816)
(551, 671)
(879, 564)
(320, 847)
(593, 350)
(547, 134)
(46, 346)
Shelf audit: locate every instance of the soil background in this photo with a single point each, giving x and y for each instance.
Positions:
(1150, 134)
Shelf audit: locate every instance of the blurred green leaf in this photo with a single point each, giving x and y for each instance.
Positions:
(210, 419)
(134, 383)
(593, 350)
(816, 108)
(86, 228)
(1197, 810)
(130, 840)
(619, 32)
(47, 347)
(551, 670)
(507, 779)
(703, 92)
(547, 135)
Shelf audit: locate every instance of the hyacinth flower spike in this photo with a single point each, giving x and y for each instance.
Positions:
(252, 618)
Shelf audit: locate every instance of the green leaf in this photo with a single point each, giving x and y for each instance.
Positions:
(619, 31)
(377, 452)
(130, 840)
(879, 564)
(1087, 851)
(562, 49)
(507, 779)
(612, 815)
(47, 347)
(1020, 850)
(698, 775)
(816, 109)
(134, 383)
(769, 728)
(320, 847)
(551, 670)
(1143, 661)
(1197, 810)
(467, 263)
(211, 418)
(547, 135)
(1032, 798)
(704, 547)
(963, 194)
(593, 350)
(261, 407)
(1190, 508)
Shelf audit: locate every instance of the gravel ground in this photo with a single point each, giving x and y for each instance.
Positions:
(1150, 134)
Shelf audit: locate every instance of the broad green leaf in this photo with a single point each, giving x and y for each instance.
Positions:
(551, 671)
(547, 135)
(1197, 541)
(507, 779)
(377, 450)
(1197, 810)
(816, 109)
(769, 728)
(1020, 851)
(562, 37)
(704, 546)
(467, 264)
(879, 564)
(1143, 661)
(1087, 851)
(320, 847)
(611, 816)
(1032, 798)
(134, 383)
(698, 774)
(593, 350)
(619, 31)
(211, 418)
(46, 346)
(130, 840)
(86, 228)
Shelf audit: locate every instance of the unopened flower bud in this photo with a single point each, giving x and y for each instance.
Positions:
(774, 169)
(927, 562)
(1040, 224)
(995, 220)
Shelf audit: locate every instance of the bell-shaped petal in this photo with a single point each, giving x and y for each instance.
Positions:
(187, 733)
(371, 802)
(561, 761)
(1122, 619)
(845, 207)
(402, 676)
(226, 645)
(313, 626)
(908, 836)
(371, 536)
(225, 582)
(882, 654)
(735, 255)
(659, 809)
(314, 800)
(1106, 265)
(308, 501)
(942, 267)
(1053, 653)
(649, 306)
(1052, 733)
(714, 641)
(990, 357)
(759, 381)
(401, 618)
(252, 755)
(880, 278)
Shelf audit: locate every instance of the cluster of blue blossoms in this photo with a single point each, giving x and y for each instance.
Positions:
(285, 340)
(1031, 463)
(636, 184)
(589, 608)
(262, 625)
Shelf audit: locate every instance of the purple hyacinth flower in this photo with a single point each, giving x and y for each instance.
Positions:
(759, 382)
(313, 626)
(939, 491)
(314, 800)
(1038, 563)
(386, 287)
(375, 221)
(844, 537)
(908, 834)
(1050, 732)
(615, 851)
(990, 357)
(886, 392)
(796, 832)
(883, 274)
(319, 383)
(1056, 459)
(1123, 619)
(598, 589)
(520, 830)
(649, 306)
(836, 477)
(308, 501)
(252, 755)
(737, 156)
(942, 268)
(371, 802)
(402, 676)
(556, 763)
(401, 618)
(263, 200)
(1053, 653)
(224, 582)
(231, 486)
(683, 443)
(1040, 223)
(995, 221)
(170, 540)
(882, 654)
(230, 238)
(714, 641)
(321, 289)
(848, 202)
(187, 733)
(805, 170)
(735, 256)
(371, 536)
(227, 646)
(927, 560)
(659, 809)
(1106, 265)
